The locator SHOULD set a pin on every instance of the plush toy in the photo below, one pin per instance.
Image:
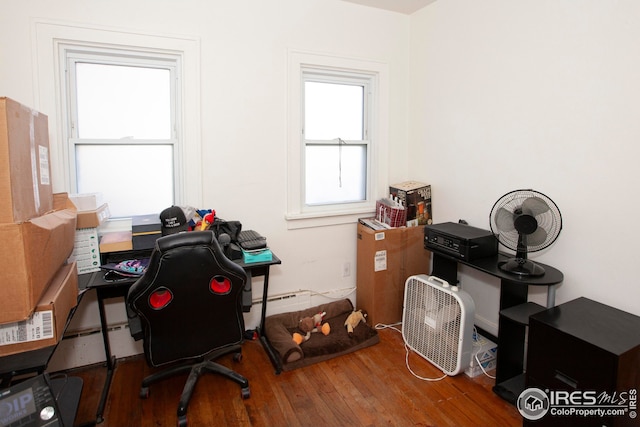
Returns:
(309, 325)
(354, 320)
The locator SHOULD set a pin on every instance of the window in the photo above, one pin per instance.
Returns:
(336, 165)
(124, 114)
(334, 137)
(122, 128)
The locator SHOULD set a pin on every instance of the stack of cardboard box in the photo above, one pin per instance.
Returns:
(38, 288)
(388, 256)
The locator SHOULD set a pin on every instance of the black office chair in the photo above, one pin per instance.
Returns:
(189, 307)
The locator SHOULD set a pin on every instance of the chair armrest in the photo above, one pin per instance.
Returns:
(135, 325)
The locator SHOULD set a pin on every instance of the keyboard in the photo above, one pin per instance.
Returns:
(251, 240)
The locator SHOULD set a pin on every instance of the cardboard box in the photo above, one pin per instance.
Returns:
(116, 241)
(93, 218)
(484, 351)
(46, 325)
(474, 370)
(416, 197)
(116, 235)
(25, 181)
(87, 201)
(386, 258)
(33, 252)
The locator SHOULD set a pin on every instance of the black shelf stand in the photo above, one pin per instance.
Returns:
(514, 312)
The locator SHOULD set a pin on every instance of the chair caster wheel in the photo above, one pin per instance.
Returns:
(245, 393)
(144, 392)
(182, 421)
(237, 357)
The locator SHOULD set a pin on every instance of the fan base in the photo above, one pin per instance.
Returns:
(522, 267)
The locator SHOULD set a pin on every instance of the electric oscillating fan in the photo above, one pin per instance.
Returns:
(525, 221)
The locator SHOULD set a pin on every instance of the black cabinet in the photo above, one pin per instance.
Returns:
(584, 345)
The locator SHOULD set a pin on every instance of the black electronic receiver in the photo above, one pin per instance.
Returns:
(460, 240)
(29, 404)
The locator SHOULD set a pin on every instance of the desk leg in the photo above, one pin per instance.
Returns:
(551, 296)
(265, 293)
(110, 360)
(275, 360)
(512, 294)
(445, 269)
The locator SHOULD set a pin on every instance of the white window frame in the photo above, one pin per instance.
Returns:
(50, 41)
(300, 215)
(72, 55)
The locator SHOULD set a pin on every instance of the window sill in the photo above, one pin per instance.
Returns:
(297, 221)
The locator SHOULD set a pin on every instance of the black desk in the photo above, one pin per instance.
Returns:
(514, 312)
(28, 362)
(114, 289)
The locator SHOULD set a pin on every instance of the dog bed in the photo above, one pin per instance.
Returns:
(279, 329)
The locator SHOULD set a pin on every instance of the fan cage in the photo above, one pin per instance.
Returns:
(438, 323)
(551, 220)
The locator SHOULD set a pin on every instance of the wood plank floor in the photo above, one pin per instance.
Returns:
(371, 387)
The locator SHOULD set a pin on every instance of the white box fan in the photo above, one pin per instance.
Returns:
(437, 322)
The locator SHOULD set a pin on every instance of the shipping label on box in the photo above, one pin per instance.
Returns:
(380, 261)
(38, 327)
(416, 198)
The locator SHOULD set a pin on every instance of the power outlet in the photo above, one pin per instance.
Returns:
(346, 269)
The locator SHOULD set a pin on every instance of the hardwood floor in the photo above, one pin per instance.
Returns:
(371, 387)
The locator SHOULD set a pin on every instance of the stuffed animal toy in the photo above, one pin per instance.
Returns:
(308, 325)
(354, 320)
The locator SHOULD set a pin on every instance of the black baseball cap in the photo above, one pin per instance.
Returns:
(173, 220)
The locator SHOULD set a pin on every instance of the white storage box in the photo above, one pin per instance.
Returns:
(484, 353)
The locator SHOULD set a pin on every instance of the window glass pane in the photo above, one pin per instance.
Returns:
(333, 111)
(335, 173)
(134, 179)
(117, 102)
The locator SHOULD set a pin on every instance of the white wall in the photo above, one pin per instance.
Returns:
(244, 46)
(541, 95)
